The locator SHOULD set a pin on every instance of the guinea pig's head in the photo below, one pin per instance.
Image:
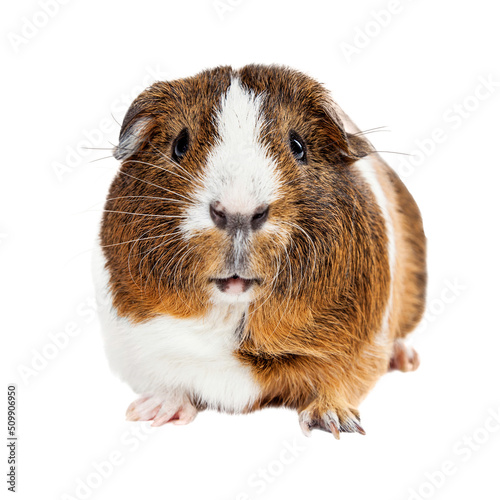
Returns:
(234, 187)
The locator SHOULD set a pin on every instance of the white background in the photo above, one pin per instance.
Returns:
(66, 74)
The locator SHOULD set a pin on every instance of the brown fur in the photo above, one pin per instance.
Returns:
(311, 337)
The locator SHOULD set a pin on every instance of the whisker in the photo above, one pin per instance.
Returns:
(382, 128)
(99, 159)
(311, 243)
(392, 152)
(152, 184)
(176, 164)
(147, 215)
(158, 167)
(138, 239)
(117, 122)
(97, 149)
(163, 243)
(175, 270)
(273, 286)
(289, 288)
(192, 282)
(146, 197)
(132, 249)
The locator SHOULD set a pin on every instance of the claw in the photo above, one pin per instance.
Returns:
(334, 420)
(359, 428)
(356, 424)
(304, 418)
(305, 429)
(334, 430)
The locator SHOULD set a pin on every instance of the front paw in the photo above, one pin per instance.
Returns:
(162, 410)
(329, 418)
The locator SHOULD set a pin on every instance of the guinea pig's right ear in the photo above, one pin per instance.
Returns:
(137, 128)
(358, 147)
(352, 147)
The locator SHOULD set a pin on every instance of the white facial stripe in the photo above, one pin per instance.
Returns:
(238, 173)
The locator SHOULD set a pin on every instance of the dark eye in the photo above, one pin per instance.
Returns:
(181, 145)
(297, 147)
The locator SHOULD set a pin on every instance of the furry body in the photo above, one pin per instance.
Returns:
(272, 259)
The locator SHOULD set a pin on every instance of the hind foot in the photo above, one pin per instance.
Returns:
(404, 358)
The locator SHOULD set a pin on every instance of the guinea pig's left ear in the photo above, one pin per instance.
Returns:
(137, 129)
(351, 146)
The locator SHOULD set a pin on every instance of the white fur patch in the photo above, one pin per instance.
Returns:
(166, 354)
(239, 174)
(367, 170)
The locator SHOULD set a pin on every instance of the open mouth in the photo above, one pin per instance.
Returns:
(235, 284)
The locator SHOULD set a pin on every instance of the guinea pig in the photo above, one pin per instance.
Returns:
(255, 251)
